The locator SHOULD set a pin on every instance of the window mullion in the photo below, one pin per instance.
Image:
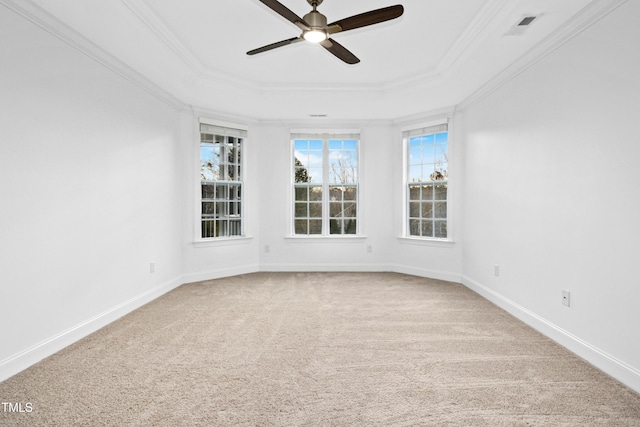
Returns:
(325, 187)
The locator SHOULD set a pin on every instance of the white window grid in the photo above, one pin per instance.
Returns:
(325, 189)
(427, 183)
(221, 184)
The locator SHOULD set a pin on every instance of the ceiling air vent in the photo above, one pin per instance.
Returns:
(527, 20)
(522, 25)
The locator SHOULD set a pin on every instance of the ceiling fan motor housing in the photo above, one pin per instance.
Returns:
(315, 19)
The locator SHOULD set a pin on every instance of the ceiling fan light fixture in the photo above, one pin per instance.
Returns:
(315, 36)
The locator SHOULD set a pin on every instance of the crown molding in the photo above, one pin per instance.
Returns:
(158, 27)
(488, 12)
(49, 23)
(582, 20)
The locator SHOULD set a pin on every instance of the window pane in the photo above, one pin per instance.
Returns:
(235, 228)
(440, 210)
(208, 228)
(442, 137)
(208, 209)
(427, 139)
(427, 192)
(335, 209)
(351, 144)
(427, 228)
(301, 226)
(415, 173)
(415, 155)
(315, 158)
(350, 193)
(315, 210)
(440, 192)
(301, 193)
(350, 226)
(222, 191)
(302, 175)
(221, 209)
(335, 144)
(301, 144)
(415, 141)
(208, 191)
(302, 210)
(335, 226)
(315, 226)
(315, 144)
(315, 175)
(414, 192)
(350, 210)
(442, 153)
(335, 194)
(315, 193)
(440, 229)
(414, 209)
(234, 208)
(427, 210)
(414, 227)
(428, 154)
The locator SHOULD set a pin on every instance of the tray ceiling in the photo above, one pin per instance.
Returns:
(439, 53)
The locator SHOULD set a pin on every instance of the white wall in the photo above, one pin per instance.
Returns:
(89, 194)
(550, 194)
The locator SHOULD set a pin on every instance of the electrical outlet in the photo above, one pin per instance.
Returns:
(566, 298)
(152, 267)
(369, 248)
(496, 270)
(267, 249)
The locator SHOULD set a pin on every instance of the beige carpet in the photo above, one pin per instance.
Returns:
(327, 349)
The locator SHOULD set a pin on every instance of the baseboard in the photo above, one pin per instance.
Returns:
(308, 267)
(617, 369)
(220, 273)
(28, 357)
(424, 272)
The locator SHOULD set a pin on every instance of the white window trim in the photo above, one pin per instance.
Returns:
(198, 240)
(405, 237)
(320, 134)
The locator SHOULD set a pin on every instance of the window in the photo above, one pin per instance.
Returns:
(221, 181)
(325, 184)
(427, 181)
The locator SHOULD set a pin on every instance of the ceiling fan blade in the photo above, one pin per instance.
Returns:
(339, 51)
(274, 45)
(365, 19)
(287, 14)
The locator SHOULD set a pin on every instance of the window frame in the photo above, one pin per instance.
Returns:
(325, 137)
(234, 130)
(406, 134)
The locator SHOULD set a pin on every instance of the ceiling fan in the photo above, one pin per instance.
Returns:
(316, 30)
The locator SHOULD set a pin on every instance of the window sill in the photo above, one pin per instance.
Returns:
(222, 241)
(442, 243)
(326, 239)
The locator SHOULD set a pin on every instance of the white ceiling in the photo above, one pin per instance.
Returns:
(439, 53)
